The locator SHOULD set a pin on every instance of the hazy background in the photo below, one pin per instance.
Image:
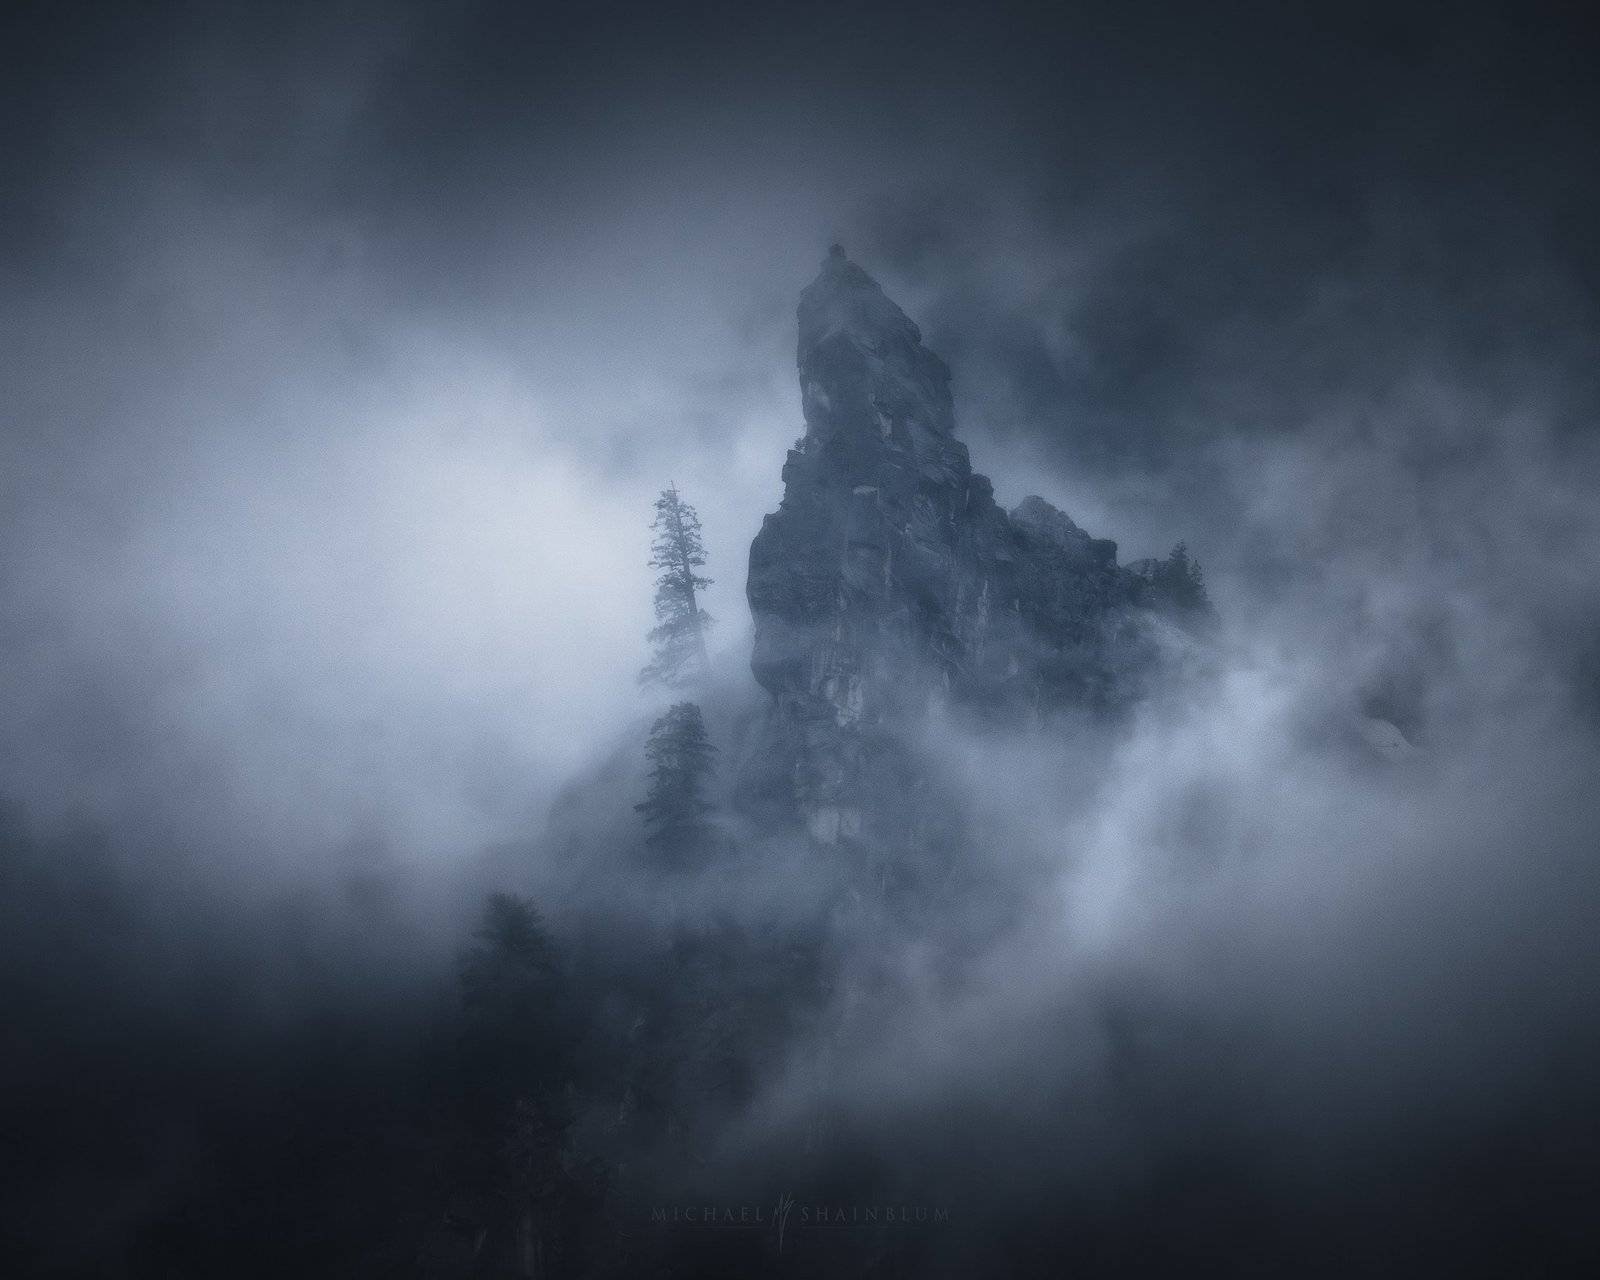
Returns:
(345, 347)
(346, 344)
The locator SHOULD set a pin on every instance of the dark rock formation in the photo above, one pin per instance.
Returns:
(889, 582)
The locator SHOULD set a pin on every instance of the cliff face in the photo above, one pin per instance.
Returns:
(889, 581)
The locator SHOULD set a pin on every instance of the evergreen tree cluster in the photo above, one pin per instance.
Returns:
(659, 1043)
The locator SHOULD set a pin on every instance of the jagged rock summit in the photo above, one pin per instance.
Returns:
(889, 581)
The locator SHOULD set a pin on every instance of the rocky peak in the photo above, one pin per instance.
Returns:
(864, 373)
(889, 581)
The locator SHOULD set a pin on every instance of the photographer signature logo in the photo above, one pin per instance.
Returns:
(781, 1214)
(787, 1216)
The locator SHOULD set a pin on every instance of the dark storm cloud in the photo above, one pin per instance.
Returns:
(1312, 210)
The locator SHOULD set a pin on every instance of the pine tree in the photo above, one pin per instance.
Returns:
(679, 634)
(514, 1030)
(680, 754)
(519, 1053)
(1182, 581)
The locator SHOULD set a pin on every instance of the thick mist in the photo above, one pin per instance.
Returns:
(346, 349)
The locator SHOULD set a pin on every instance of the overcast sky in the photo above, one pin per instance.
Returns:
(346, 345)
